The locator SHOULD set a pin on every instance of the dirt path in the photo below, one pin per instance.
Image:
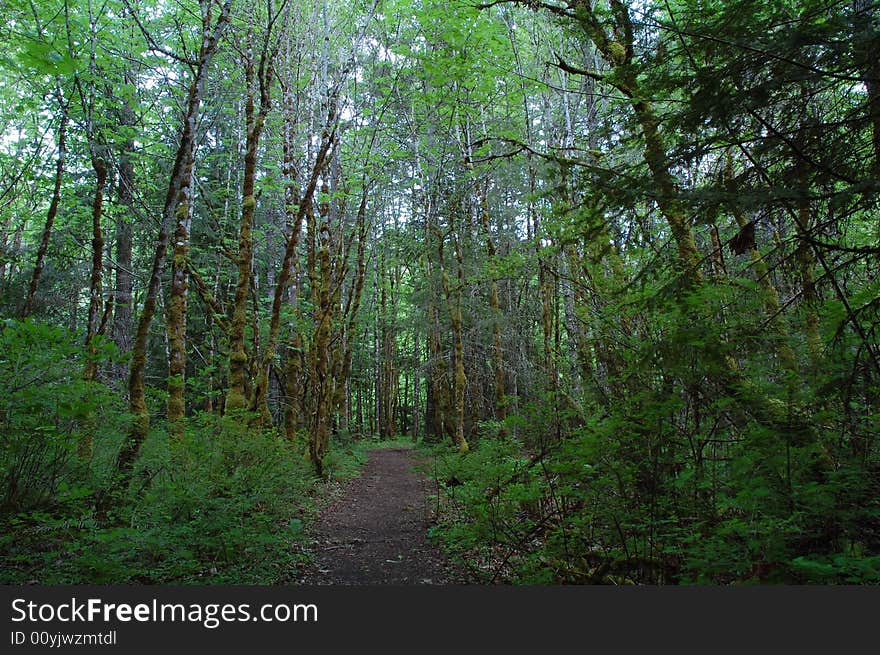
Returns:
(376, 533)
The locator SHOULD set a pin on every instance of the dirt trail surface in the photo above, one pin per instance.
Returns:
(376, 533)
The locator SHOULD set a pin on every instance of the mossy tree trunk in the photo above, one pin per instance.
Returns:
(319, 435)
(95, 325)
(295, 208)
(258, 76)
(96, 281)
(806, 261)
(353, 303)
(436, 396)
(177, 309)
(769, 293)
(494, 304)
(181, 173)
(453, 303)
(98, 156)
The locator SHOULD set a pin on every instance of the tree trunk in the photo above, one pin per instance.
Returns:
(417, 387)
(293, 386)
(122, 293)
(354, 299)
(494, 307)
(453, 302)
(96, 286)
(53, 209)
(238, 359)
(769, 294)
(807, 264)
(296, 209)
(180, 175)
(323, 315)
(177, 309)
(96, 297)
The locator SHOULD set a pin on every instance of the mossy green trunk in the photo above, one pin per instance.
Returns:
(319, 436)
(295, 209)
(96, 282)
(453, 303)
(180, 174)
(258, 77)
(766, 411)
(177, 308)
(293, 375)
(494, 307)
(353, 306)
(96, 298)
(769, 294)
(807, 265)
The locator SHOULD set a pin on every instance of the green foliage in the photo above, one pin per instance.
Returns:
(672, 480)
(227, 504)
(716, 425)
(46, 409)
(219, 508)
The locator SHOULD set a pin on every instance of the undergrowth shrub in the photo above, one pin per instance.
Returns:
(229, 503)
(597, 510)
(46, 411)
(225, 504)
(680, 475)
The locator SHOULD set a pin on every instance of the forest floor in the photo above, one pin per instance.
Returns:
(376, 533)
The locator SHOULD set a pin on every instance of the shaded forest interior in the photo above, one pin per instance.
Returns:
(613, 265)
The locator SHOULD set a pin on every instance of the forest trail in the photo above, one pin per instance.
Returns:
(376, 533)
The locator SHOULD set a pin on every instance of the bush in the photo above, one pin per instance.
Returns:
(46, 411)
(676, 474)
(227, 504)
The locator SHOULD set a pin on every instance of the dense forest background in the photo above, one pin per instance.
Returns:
(615, 263)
